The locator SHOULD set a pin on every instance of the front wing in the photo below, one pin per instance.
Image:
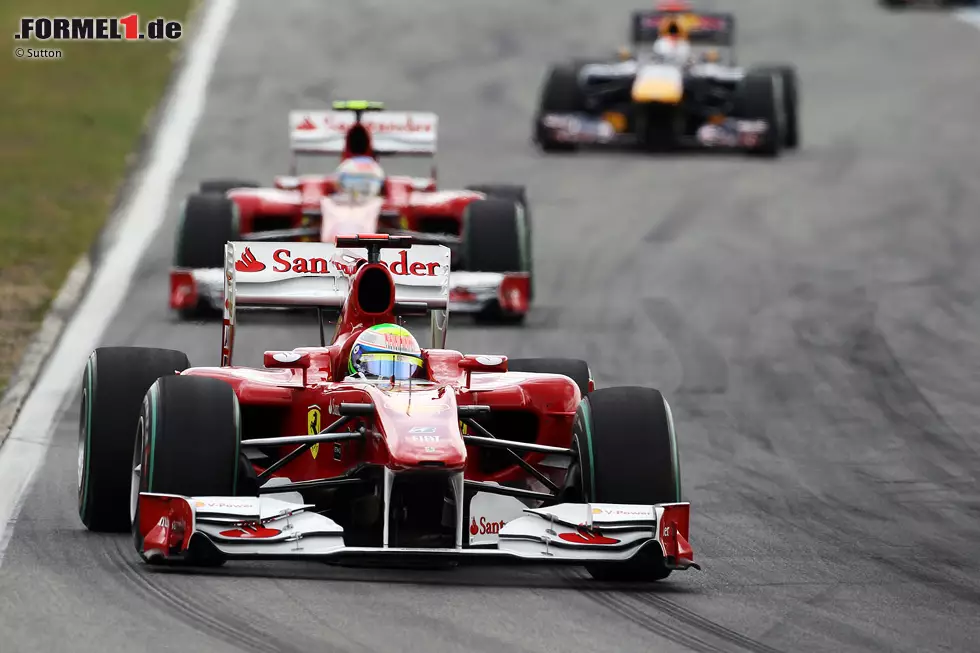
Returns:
(585, 129)
(469, 292)
(269, 528)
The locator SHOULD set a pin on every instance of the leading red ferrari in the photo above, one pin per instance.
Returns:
(371, 445)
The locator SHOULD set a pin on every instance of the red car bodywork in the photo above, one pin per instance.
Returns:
(537, 408)
(295, 203)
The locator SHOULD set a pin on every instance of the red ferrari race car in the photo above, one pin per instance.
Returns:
(371, 446)
(487, 227)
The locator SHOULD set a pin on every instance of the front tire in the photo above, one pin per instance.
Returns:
(761, 98)
(560, 93)
(187, 442)
(791, 103)
(627, 453)
(494, 241)
(113, 386)
(207, 222)
(517, 194)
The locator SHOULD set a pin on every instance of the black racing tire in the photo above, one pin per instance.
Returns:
(187, 441)
(493, 236)
(518, 194)
(791, 102)
(560, 93)
(575, 369)
(222, 186)
(494, 240)
(207, 222)
(113, 386)
(758, 98)
(627, 453)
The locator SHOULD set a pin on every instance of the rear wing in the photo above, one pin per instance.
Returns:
(392, 132)
(301, 274)
(702, 28)
(319, 274)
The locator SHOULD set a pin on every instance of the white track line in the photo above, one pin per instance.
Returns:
(139, 219)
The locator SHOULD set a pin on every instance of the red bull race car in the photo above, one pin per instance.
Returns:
(371, 446)
(487, 227)
(678, 86)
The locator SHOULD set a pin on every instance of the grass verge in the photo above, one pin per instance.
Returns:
(68, 127)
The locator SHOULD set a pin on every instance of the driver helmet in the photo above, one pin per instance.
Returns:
(360, 177)
(385, 351)
(673, 28)
(672, 44)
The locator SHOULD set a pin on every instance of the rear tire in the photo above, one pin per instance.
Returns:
(628, 454)
(560, 93)
(113, 386)
(494, 241)
(222, 186)
(575, 369)
(187, 442)
(760, 98)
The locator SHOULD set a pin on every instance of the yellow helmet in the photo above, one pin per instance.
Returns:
(673, 28)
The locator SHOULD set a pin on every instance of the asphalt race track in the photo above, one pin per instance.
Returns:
(813, 322)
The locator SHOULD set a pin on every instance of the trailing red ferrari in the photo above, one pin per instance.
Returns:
(487, 227)
(372, 445)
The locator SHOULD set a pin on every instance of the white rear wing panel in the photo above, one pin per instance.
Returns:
(319, 274)
(392, 132)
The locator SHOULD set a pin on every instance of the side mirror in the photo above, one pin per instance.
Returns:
(287, 360)
(470, 364)
(285, 182)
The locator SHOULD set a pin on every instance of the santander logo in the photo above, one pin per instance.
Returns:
(486, 527)
(283, 261)
(248, 262)
(384, 124)
(306, 125)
